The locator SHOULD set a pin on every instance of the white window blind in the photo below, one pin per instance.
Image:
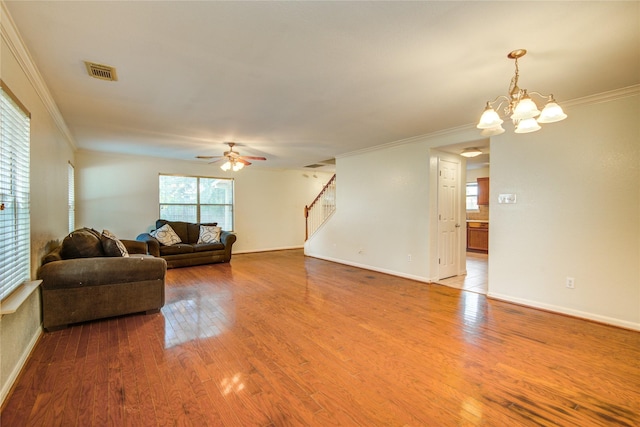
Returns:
(15, 252)
(197, 199)
(72, 197)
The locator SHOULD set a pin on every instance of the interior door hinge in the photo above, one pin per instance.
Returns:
(438, 260)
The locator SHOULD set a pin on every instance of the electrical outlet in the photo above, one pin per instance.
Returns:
(409, 257)
(571, 283)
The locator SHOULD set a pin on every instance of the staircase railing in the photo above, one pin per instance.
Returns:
(320, 209)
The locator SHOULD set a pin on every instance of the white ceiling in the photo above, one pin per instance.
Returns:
(301, 82)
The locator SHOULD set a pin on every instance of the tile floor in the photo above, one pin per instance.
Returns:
(476, 278)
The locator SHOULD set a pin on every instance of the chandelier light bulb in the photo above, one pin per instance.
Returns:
(489, 119)
(527, 126)
(226, 166)
(237, 166)
(525, 109)
(551, 113)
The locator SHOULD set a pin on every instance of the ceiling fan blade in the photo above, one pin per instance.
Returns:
(243, 161)
(253, 158)
(208, 157)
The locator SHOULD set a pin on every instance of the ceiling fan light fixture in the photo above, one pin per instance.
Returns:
(471, 152)
(232, 159)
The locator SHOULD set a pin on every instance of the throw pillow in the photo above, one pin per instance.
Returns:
(166, 235)
(209, 234)
(82, 243)
(112, 246)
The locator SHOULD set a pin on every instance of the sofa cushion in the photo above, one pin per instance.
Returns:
(180, 248)
(166, 235)
(111, 245)
(203, 247)
(82, 243)
(209, 234)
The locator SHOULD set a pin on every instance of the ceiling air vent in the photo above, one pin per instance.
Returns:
(102, 72)
(327, 162)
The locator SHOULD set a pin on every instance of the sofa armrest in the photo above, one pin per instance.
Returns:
(82, 272)
(153, 246)
(135, 246)
(227, 239)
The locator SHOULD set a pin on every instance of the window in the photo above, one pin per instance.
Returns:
(72, 197)
(197, 199)
(15, 239)
(472, 196)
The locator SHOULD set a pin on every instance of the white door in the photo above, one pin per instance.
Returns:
(448, 218)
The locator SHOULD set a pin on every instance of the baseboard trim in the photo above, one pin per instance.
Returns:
(255, 251)
(6, 387)
(566, 311)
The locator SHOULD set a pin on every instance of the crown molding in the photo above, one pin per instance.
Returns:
(608, 96)
(11, 36)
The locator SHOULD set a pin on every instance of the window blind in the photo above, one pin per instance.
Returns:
(15, 241)
(72, 197)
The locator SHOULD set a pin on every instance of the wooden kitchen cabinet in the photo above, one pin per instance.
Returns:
(483, 191)
(478, 236)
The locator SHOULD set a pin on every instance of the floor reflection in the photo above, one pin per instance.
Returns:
(197, 315)
(473, 308)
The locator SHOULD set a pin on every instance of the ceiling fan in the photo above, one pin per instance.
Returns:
(233, 159)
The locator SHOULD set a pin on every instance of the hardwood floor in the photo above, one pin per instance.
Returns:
(277, 339)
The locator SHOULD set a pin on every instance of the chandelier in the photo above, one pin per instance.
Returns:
(521, 108)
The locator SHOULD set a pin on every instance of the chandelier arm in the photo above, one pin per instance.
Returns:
(502, 99)
(542, 95)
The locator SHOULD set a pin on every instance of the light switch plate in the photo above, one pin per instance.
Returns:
(507, 198)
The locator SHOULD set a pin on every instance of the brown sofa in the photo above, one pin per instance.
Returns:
(189, 252)
(87, 278)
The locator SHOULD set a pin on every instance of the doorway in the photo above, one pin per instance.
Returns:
(473, 271)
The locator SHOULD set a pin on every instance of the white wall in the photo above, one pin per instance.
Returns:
(474, 174)
(578, 210)
(50, 153)
(577, 214)
(386, 209)
(120, 193)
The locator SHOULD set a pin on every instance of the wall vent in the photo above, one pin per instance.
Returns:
(102, 72)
